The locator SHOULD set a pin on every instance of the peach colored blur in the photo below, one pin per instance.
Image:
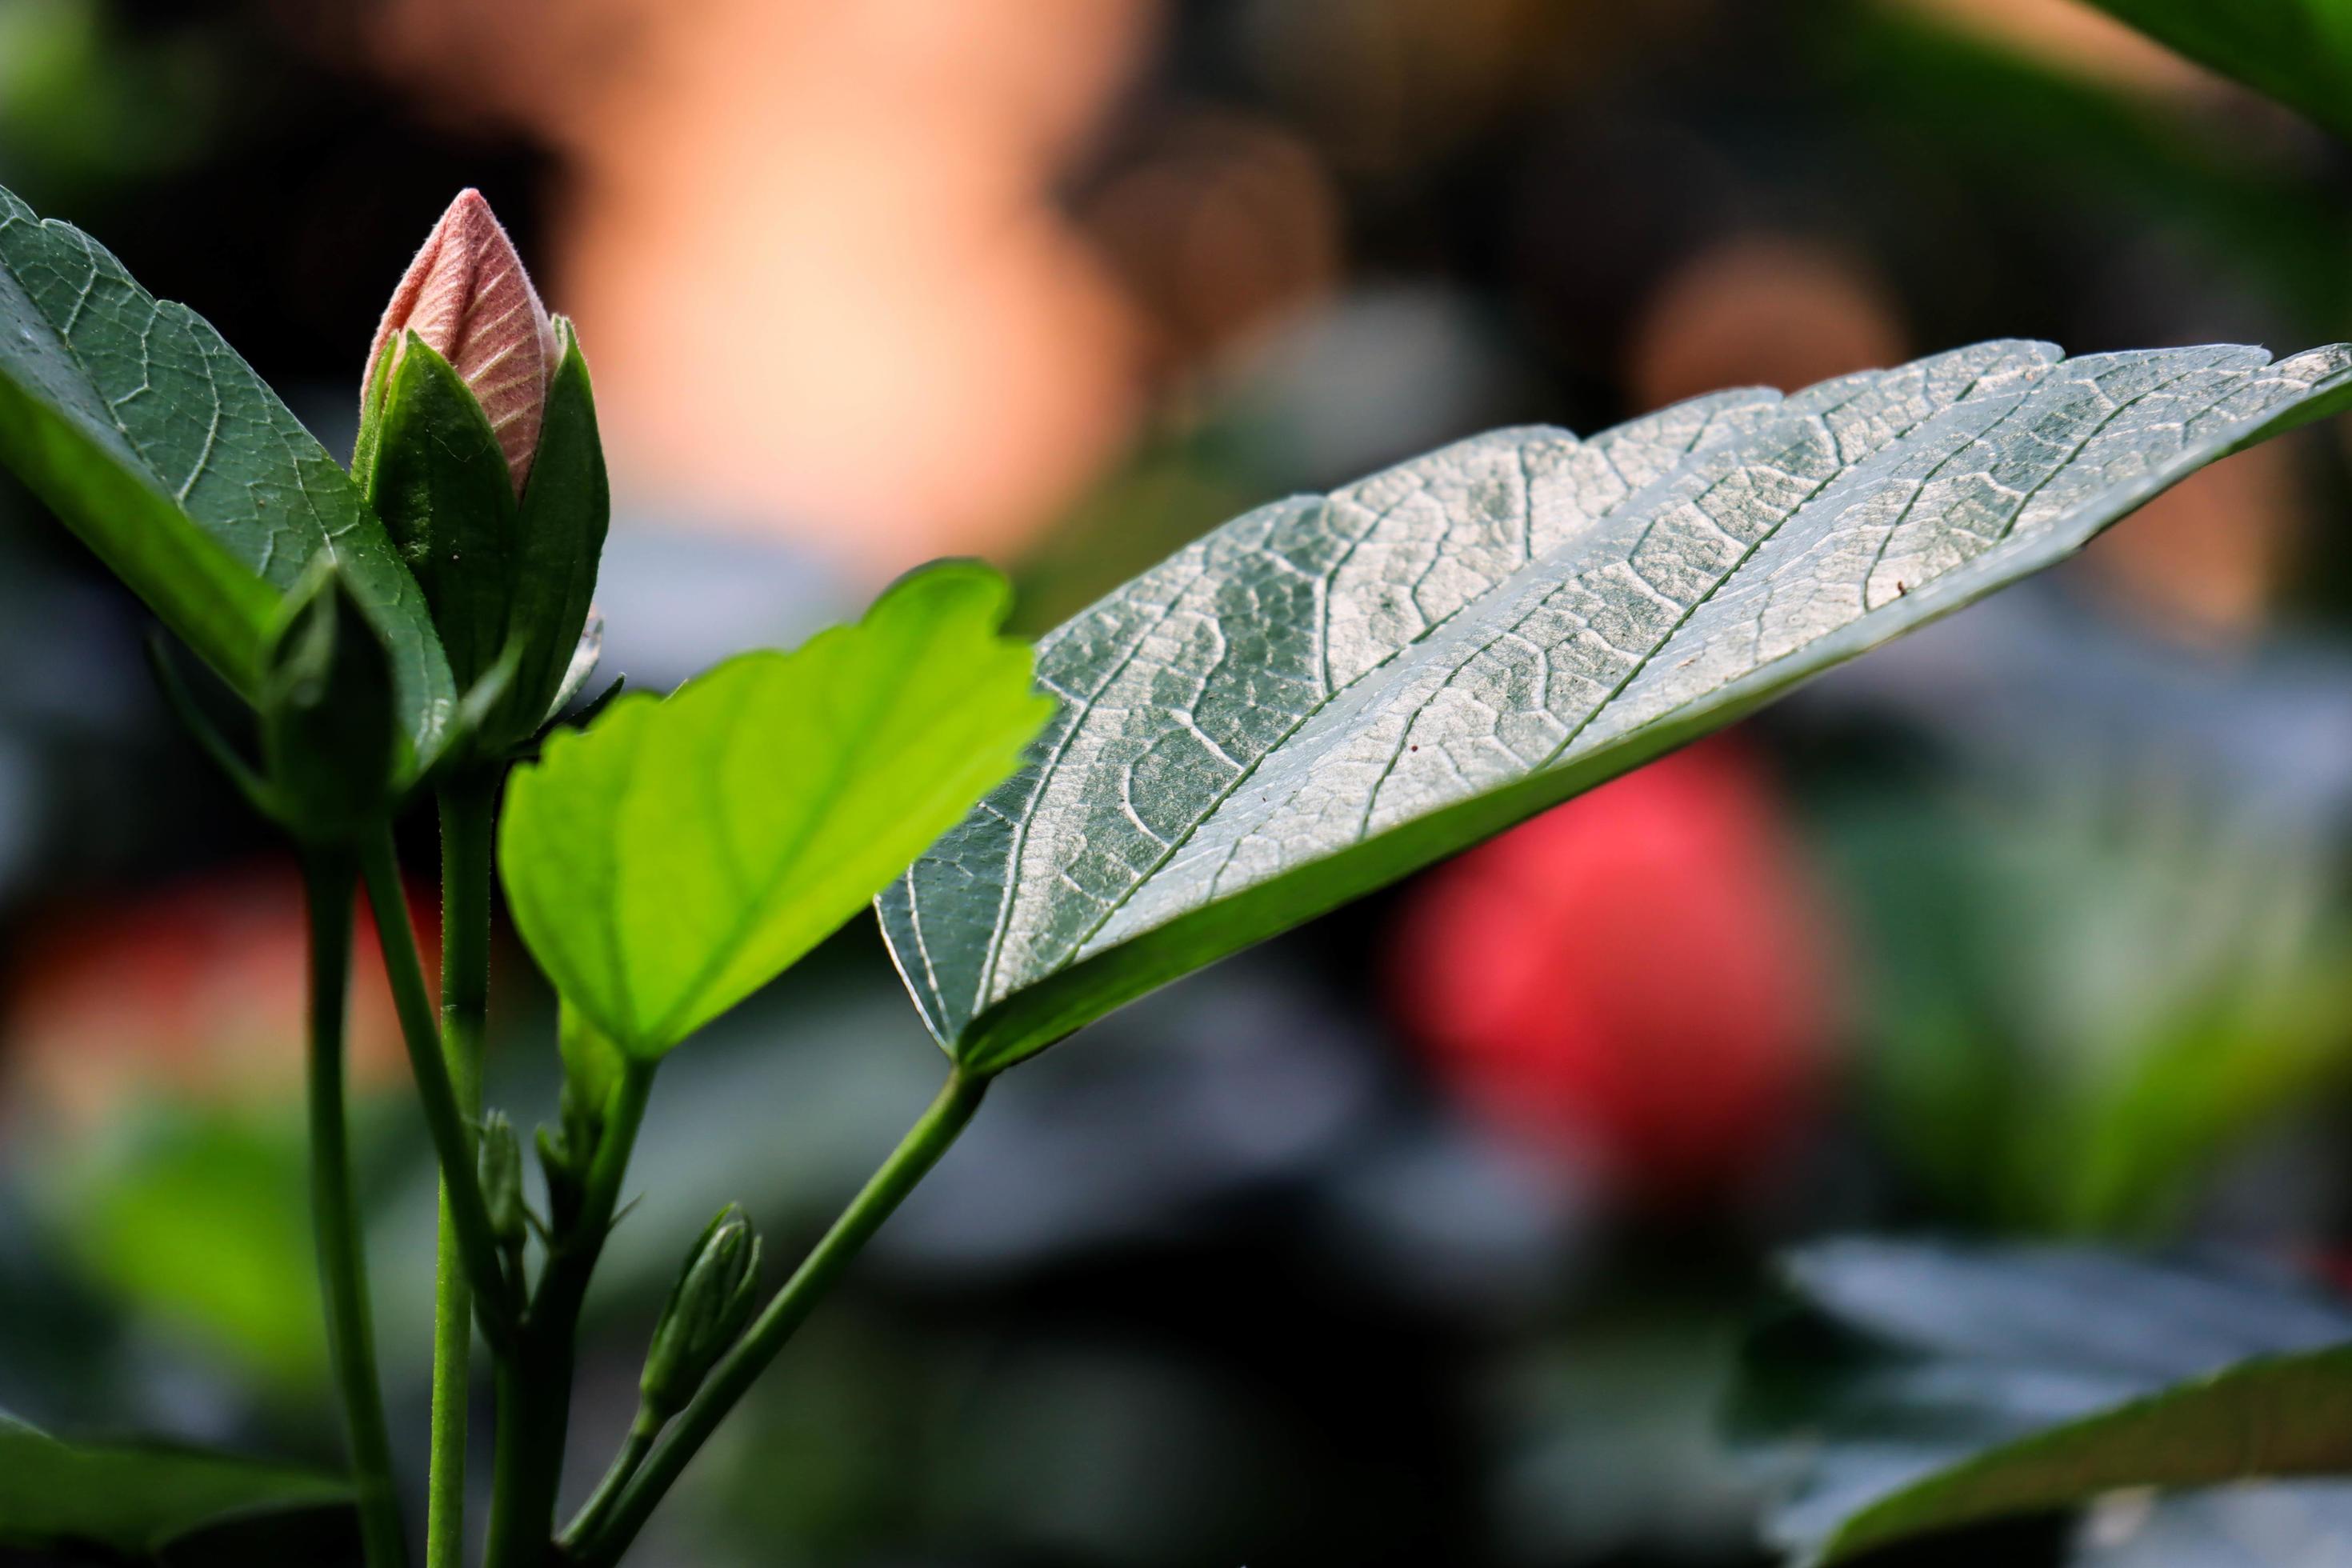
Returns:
(1761, 310)
(2078, 40)
(467, 296)
(814, 252)
(197, 991)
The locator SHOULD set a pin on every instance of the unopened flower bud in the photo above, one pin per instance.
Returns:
(468, 297)
(716, 1290)
(329, 737)
(478, 450)
(500, 1166)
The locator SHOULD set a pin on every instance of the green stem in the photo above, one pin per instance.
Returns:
(907, 1164)
(342, 1254)
(535, 1384)
(452, 1134)
(468, 813)
(598, 1509)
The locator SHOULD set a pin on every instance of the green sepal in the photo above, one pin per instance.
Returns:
(718, 1287)
(560, 539)
(433, 470)
(333, 753)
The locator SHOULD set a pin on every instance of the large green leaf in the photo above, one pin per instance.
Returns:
(680, 853)
(1330, 692)
(175, 463)
(2297, 51)
(1918, 1387)
(137, 1500)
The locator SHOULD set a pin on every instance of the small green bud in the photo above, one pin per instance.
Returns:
(565, 1153)
(330, 729)
(717, 1288)
(501, 1175)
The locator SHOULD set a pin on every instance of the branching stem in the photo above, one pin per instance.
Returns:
(593, 1545)
(535, 1382)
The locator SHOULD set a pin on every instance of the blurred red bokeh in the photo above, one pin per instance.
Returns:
(1638, 983)
(199, 990)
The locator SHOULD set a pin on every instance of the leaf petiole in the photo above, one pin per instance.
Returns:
(593, 1543)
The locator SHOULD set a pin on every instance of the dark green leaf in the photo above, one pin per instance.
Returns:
(1333, 691)
(2297, 51)
(566, 510)
(678, 854)
(136, 1499)
(157, 445)
(1922, 1387)
(435, 476)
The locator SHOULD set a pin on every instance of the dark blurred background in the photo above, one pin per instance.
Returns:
(1423, 1236)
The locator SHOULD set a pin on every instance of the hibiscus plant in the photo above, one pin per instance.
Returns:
(1316, 699)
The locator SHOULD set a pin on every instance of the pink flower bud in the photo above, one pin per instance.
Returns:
(466, 295)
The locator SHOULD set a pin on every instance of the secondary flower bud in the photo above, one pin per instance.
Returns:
(501, 1178)
(712, 1300)
(467, 296)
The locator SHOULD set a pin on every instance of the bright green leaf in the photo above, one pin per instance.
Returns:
(137, 1500)
(173, 461)
(1922, 1387)
(1331, 691)
(2297, 51)
(680, 853)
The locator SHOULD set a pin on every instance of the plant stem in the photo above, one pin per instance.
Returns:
(907, 1164)
(468, 811)
(535, 1383)
(343, 1253)
(625, 1464)
(453, 1135)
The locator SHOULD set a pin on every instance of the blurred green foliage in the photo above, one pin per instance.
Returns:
(198, 1219)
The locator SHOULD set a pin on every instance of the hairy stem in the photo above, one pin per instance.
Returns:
(907, 1164)
(535, 1384)
(342, 1254)
(468, 811)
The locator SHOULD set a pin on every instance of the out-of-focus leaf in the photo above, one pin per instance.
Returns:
(2297, 51)
(2081, 149)
(1923, 1386)
(138, 1500)
(2073, 1022)
(1330, 692)
(174, 462)
(680, 853)
(199, 1220)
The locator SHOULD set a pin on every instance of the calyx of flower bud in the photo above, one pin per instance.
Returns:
(500, 1161)
(468, 297)
(716, 1290)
